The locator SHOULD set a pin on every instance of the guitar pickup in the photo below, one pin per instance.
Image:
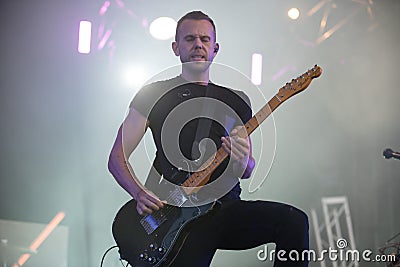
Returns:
(152, 221)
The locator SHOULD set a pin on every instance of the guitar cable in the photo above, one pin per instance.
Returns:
(106, 252)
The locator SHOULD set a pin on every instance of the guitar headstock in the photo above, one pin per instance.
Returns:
(299, 84)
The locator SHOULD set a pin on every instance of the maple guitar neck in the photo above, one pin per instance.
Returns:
(200, 178)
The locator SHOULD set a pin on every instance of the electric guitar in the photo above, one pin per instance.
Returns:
(155, 239)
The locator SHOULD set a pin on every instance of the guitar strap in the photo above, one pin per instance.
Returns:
(203, 128)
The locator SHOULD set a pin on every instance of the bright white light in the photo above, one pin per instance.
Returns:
(85, 35)
(134, 76)
(293, 13)
(163, 28)
(256, 69)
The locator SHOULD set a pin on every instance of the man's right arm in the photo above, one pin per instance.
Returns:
(128, 137)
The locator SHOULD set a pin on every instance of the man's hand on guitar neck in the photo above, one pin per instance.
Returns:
(238, 147)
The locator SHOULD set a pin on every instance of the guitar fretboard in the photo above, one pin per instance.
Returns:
(200, 178)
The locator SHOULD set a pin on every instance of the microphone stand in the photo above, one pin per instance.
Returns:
(389, 153)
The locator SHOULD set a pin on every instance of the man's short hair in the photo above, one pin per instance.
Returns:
(195, 15)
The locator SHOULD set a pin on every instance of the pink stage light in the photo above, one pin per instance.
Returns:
(280, 73)
(104, 8)
(41, 237)
(85, 35)
(104, 40)
(120, 3)
(283, 71)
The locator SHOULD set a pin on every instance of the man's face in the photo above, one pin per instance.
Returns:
(196, 42)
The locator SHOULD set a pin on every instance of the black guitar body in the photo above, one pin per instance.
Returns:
(154, 240)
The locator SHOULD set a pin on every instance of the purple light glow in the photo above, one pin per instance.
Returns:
(282, 71)
(104, 40)
(120, 3)
(104, 8)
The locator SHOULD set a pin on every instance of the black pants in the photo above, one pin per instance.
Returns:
(241, 224)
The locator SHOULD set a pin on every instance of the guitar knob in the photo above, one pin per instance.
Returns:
(151, 260)
(143, 256)
(153, 247)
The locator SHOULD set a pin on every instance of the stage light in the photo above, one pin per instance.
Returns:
(294, 13)
(104, 8)
(85, 32)
(134, 76)
(163, 28)
(104, 39)
(41, 237)
(256, 69)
